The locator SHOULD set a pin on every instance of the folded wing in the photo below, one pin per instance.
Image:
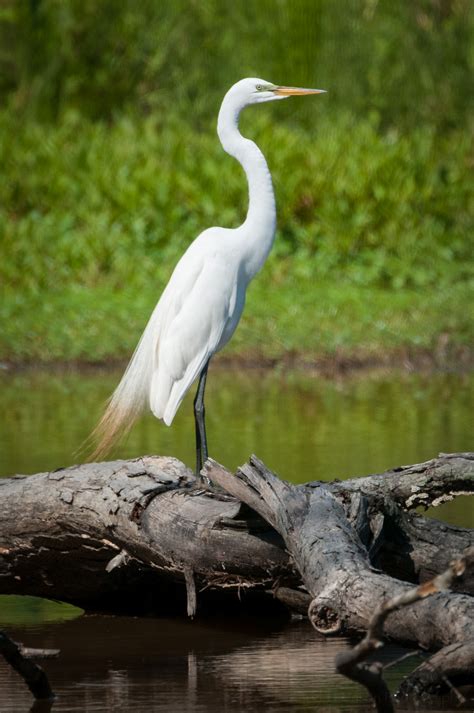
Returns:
(195, 316)
(192, 334)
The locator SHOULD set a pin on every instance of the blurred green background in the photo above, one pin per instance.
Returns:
(111, 166)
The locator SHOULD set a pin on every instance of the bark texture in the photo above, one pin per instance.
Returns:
(139, 536)
(333, 537)
(335, 563)
(353, 663)
(120, 536)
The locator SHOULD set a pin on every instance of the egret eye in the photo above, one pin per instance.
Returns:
(260, 87)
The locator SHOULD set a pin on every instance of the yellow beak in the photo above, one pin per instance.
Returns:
(296, 91)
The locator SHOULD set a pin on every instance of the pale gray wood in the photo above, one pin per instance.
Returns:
(105, 536)
(424, 484)
(333, 534)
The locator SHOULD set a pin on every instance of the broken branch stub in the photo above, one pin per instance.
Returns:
(335, 565)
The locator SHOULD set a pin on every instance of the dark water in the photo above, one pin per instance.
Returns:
(122, 664)
(304, 428)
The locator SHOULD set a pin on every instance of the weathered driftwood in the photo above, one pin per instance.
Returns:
(124, 536)
(331, 534)
(137, 535)
(353, 664)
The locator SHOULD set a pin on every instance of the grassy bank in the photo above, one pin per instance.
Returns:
(291, 316)
(373, 251)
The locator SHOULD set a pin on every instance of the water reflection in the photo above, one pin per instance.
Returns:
(302, 426)
(111, 664)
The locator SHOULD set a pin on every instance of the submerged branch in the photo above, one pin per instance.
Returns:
(32, 674)
(349, 663)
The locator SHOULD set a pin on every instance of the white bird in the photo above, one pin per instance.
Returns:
(203, 301)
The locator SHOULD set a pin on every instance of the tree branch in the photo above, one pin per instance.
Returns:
(427, 484)
(32, 674)
(349, 663)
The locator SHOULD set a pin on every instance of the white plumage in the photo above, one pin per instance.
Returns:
(205, 296)
(199, 311)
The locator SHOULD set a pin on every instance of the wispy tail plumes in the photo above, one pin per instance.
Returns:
(130, 397)
(115, 423)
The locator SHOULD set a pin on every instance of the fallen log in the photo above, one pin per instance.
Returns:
(139, 537)
(124, 536)
(335, 564)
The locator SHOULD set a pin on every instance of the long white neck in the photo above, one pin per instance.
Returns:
(260, 223)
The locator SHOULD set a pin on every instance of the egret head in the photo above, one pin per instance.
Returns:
(255, 91)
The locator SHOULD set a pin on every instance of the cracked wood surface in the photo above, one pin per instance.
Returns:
(135, 535)
(125, 535)
(98, 534)
(333, 539)
(334, 562)
(426, 484)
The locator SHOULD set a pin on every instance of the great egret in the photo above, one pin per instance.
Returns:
(204, 298)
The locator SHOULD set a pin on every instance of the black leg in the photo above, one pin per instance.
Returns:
(200, 422)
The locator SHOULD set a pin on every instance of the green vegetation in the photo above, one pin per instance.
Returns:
(111, 167)
(288, 316)
(29, 611)
(407, 62)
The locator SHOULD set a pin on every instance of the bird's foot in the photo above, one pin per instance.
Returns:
(202, 481)
(203, 486)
